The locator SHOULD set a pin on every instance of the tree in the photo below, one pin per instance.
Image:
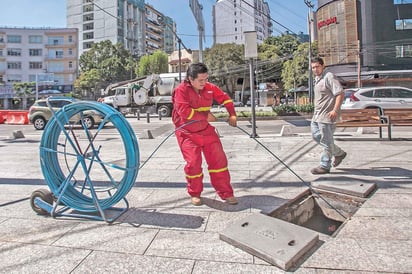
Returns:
(285, 43)
(226, 63)
(153, 64)
(112, 63)
(23, 90)
(88, 80)
(295, 71)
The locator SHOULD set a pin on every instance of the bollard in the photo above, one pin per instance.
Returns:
(148, 117)
(160, 114)
(138, 115)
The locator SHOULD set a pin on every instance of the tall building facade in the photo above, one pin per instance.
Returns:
(231, 18)
(357, 36)
(34, 54)
(159, 31)
(120, 21)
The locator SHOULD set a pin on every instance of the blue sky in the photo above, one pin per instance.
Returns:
(291, 14)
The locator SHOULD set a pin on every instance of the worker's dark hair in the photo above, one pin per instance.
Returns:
(194, 69)
(317, 60)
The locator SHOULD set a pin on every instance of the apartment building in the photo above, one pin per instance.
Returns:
(43, 55)
(120, 21)
(138, 26)
(231, 18)
(159, 31)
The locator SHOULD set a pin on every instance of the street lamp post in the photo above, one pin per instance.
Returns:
(310, 80)
(180, 45)
(251, 52)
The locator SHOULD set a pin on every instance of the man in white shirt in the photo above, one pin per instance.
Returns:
(329, 95)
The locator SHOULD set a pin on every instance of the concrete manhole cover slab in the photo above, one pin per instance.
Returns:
(345, 185)
(273, 240)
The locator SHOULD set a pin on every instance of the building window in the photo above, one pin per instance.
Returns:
(88, 17)
(403, 24)
(88, 26)
(88, 35)
(59, 53)
(14, 65)
(70, 64)
(87, 45)
(14, 39)
(404, 51)
(14, 52)
(70, 39)
(56, 40)
(1, 52)
(35, 52)
(70, 52)
(35, 39)
(35, 65)
(12, 78)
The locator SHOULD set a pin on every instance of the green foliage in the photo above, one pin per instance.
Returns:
(112, 63)
(87, 80)
(285, 43)
(295, 71)
(155, 63)
(23, 88)
(292, 109)
(222, 60)
(246, 114)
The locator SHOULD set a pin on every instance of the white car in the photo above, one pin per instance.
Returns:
(378, 97)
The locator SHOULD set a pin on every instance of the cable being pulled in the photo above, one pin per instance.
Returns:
(164, 140)
(294, 173)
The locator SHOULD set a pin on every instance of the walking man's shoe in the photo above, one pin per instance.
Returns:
(196, 201)
(319, 170)
(338, 159)
(231, 200)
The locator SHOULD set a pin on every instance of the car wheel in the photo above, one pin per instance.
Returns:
(164, 110)
(39, 123)
(89, 122)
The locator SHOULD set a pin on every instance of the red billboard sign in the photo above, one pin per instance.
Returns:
(327, 22)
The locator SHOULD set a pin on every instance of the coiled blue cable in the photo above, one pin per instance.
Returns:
(62, 185)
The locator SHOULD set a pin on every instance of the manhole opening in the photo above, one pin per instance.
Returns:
(322, 215)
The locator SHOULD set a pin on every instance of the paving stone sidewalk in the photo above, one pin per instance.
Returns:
(163, 233)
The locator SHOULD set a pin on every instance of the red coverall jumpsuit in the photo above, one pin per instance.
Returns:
(199, 136)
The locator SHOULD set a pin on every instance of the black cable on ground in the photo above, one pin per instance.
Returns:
(294, 173)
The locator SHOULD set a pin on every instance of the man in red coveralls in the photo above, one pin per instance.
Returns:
(192, 101)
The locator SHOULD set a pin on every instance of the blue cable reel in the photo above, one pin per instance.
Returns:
(87, 170)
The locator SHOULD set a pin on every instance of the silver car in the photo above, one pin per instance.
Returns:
(40, 113)
(378, 97)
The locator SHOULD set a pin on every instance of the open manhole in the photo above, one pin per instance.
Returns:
(286, 234)
(322, 211)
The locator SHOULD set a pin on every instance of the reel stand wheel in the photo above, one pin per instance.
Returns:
(43, 194)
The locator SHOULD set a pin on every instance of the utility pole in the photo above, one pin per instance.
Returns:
(310, 80)
(197, 13)
(251, 52)
(180, 45)
(359, 65)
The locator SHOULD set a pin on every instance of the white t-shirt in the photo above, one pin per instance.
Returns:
(326, 88)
